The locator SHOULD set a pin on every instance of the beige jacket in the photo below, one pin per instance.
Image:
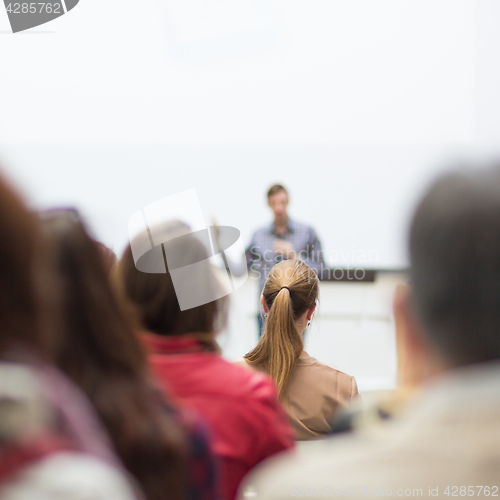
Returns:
(314, 394)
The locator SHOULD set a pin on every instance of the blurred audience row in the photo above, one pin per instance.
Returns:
(109, 390)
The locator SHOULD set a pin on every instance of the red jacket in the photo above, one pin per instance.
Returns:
(241, 407)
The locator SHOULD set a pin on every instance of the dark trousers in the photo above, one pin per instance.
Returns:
(260, 324)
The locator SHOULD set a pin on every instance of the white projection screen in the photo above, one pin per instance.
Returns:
(354, 106)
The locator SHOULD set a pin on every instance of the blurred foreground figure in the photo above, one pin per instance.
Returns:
(100, 352)
(311, 393)
(241, 406)
(51, 444)
(447, 443)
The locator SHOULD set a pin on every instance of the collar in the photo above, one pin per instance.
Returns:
(305, 359)
(291, 227)
(175, 344)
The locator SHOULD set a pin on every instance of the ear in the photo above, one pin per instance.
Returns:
(412, 349)
(404, 316)
(264, 305)
(310, 312)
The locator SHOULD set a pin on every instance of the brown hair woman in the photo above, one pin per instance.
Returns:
(49, 432)
(240, 406)
(99, 352)
(310, 391)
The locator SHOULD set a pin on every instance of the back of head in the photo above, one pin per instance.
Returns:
(108, 256)
(99, 351)
(96, 337)
(291, 288)
(20, 241)
(455, 266)
(149, 285)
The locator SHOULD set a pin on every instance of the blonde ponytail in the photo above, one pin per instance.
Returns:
(291, 288)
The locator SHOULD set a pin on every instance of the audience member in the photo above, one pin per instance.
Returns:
(311, 392)
(51, 443)
(247, 422)
(283, 239)
(108, 256)
(448, 440)
(100, 352)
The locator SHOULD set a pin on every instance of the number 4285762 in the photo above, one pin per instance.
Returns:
(34, 8)
(470, 491)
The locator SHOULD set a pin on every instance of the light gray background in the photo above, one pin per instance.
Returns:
(353, 105)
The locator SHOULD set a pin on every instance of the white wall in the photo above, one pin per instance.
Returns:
(358, 198)
(244, 71)
(353, 105)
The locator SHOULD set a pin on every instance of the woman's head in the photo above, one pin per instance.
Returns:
(20, 242)
(294, 280)
(150, 284)
(91, 318)
(108, 257)
(99, 350)
(290, 295)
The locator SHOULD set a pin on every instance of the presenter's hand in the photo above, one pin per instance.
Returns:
(284, 248)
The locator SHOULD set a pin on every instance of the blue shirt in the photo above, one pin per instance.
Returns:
(261, 256)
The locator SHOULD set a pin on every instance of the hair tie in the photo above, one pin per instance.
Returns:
(284, 287)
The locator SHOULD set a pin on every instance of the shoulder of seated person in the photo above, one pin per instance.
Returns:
(252, 368)
(307, 360)
(243, 362)
(257, 382)
(72, 476)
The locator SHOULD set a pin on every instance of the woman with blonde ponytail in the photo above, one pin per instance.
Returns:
(310, 391)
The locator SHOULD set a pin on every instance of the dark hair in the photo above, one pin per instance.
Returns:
(20, 242)
(275, 189)
(108, 256)
(291, 288)
(100, 352)
(153, 294)
(454, 248)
